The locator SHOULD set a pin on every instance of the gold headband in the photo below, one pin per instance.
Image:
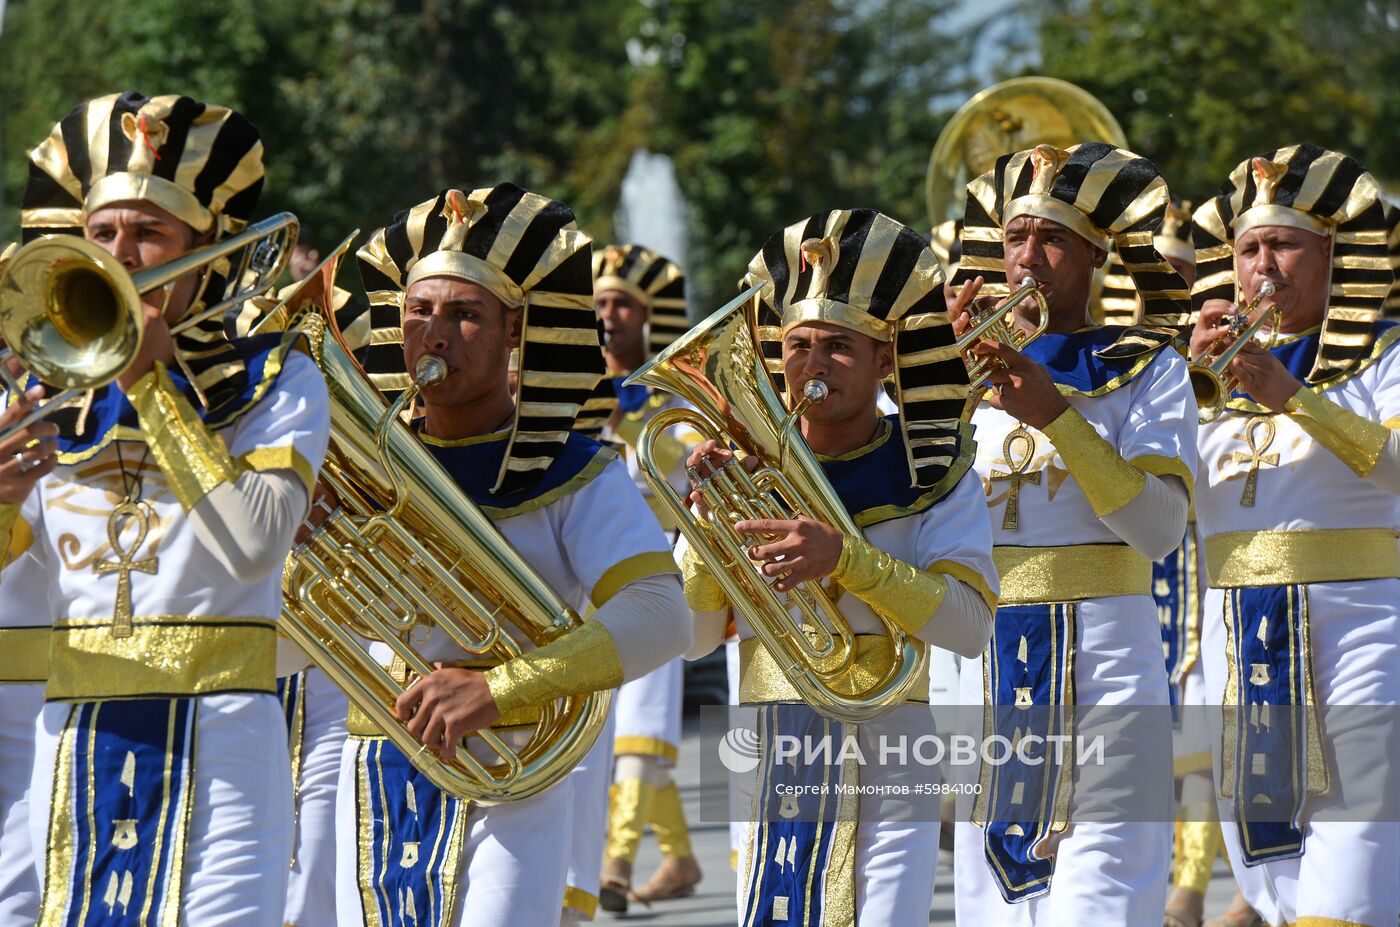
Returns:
(126, 187)
(1271, 214)
(622, 284)
(466, 267)
(834, 313)
(1043, 206)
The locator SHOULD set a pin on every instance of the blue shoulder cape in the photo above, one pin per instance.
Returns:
(873, 481)
(1095, 361)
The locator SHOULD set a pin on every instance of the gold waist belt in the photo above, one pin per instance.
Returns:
(163, 656)
(1032, 575)
(1285, 558)
(24, 654)
(359, 724)
(760, 679)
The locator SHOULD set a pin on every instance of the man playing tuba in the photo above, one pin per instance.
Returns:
(161, 536)
(1086, 447)
(466, 276)
(848, 297)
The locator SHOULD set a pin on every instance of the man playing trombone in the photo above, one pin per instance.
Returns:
(1087, 451)
(845, 299)
(1298, 507)
(464, 277)
(161, 534)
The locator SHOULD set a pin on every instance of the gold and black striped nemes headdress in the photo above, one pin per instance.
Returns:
(654, 281)
(1118, 299)
(1391, 309)
(1109, 196)
(864, 271)
(1321, 191)
(199, 162)
(526, 250)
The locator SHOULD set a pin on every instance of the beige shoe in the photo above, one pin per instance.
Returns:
(674, 878)
(616, 885)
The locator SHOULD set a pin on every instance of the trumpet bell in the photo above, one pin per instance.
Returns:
(71, 311)
(1209, 390)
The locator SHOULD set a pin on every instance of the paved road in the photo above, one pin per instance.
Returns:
(713, 904)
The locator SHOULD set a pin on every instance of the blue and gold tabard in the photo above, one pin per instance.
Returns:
(1176, 585)
(121, 803)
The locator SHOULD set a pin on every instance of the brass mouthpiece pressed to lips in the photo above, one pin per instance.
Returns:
(815, 391)
(430, 371)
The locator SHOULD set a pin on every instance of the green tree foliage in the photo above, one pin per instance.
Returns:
(1200, 85)
(772, 109)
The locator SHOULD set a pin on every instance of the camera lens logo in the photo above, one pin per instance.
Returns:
(738, 750)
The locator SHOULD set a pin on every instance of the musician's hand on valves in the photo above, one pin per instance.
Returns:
(1263, 377)
(1021, 387)
(964, 303)
(707, 457)
(1211, 326)
(28, 454)
(809, 550)
(445, 706)
(157, 344)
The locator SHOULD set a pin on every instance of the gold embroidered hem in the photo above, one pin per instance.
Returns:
(639, 566)
(576, 899)
(968, 575)
(582, 661)
(645, 746)
(193, 458)
(165, 656)
(24, 654)
(1355, 440)
(1034, 575)
(761, 679)
(1109, 482)
(1285, 558)
(896, 590)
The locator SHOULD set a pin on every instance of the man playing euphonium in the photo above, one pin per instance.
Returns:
(1299, 512)
(1086, 448)
(466, 276)
(161, 778)
(641, 300)
(849, 297)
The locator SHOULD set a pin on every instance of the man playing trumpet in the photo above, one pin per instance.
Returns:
(1299, 510)
(847, 298)
(1086, 448)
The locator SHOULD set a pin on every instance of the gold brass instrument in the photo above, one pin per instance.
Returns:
(1006, 117)
(72, 314)
(404, 551)
(999, 324)
(1209, 380)
(717, 368)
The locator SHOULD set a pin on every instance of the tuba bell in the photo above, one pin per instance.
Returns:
(72, 314)
(1010, 116)
(716, 367)
(405, 550)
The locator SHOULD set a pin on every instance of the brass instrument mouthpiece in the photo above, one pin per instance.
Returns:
(430, 371)
(815, 391)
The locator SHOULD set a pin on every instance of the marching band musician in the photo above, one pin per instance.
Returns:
(161, 778)
(24, 655)
(1086, 447)
(849, 297)
(641, 300)
(1298, 507)
(466, 276)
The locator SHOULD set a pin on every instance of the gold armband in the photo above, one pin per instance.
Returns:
(1356, 441)
(584, 660)
(9, 512)
(1109, 482)
(193, 459)
(898, 591)
(703, 593)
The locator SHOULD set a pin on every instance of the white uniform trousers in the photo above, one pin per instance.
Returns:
(1107, 874)
(590, 781)
(20, 704)
(1348, 871)
(515, 858)
(311, 884)
(240, 828)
